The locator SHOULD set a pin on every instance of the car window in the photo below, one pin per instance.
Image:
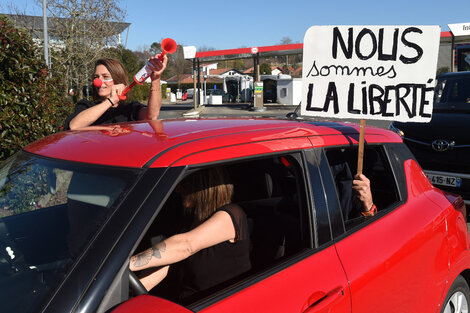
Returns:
(376, 167)
(453, 93)
(271, 193)
(48, 212)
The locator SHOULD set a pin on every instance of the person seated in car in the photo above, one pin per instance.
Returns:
(216, 247)
(106, 107)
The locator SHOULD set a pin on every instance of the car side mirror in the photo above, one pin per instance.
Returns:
(295, 114)
(149, 304)
(291, 115)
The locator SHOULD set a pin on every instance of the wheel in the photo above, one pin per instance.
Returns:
(136, 285)
(457, 298)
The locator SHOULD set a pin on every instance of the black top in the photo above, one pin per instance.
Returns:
(216, 266)
(350, 204)
(125, 112)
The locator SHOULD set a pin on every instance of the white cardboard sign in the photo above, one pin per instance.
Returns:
(370, 72)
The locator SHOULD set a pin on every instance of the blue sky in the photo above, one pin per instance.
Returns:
(226, 24)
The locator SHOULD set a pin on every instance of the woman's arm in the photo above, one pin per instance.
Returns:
(90, 115)
(218, 228)
(153, 278)
(154, 103)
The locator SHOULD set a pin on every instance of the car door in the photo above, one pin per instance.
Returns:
(308, 277)
(310, 281)
(316, 283)
(397, 261)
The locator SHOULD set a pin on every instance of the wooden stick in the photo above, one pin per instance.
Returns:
(360, 152)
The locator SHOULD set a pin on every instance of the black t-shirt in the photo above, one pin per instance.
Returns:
(125, 112)
(350, 203)
(216, 266)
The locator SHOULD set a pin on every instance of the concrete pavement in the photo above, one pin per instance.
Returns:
(186, 109)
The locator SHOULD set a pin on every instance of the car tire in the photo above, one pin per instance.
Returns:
(458, 297)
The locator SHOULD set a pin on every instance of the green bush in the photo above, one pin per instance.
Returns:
(265, 69)
(141, 92)
(32, 103)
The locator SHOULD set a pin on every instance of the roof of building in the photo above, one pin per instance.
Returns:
(37, 23)
(251, 69)
(220, 71)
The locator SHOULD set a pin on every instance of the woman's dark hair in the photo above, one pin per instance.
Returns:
(117, 71)
(205, 191)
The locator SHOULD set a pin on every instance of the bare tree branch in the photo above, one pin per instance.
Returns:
(80, 31)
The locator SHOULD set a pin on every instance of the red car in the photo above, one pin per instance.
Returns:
(75, 206)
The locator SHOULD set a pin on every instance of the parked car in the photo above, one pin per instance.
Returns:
(75, 206)
(442, 147)
(190, 93)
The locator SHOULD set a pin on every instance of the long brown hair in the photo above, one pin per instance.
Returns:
(205, 191)
(117, 71)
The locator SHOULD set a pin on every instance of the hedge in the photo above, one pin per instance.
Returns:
(33, 103)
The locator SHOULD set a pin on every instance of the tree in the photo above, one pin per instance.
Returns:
(130, 61)
(81, 30)
(238, 64)
(177, 65)
(286, 70)
(286, 40)
(155, 48)
(265, 69)
(132, 65)
(32, 102)
(205, 48)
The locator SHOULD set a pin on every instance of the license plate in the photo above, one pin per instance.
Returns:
(444, 180)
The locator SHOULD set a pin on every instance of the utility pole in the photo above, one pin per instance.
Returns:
(46, 40)
(195, 95)
(258, 84)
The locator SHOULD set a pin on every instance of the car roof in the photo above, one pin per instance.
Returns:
(168, 142)
(454, 74)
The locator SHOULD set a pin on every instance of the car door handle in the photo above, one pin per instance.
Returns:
(325, 303)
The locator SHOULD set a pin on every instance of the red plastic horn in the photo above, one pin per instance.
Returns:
(97, 82)
(168, 46)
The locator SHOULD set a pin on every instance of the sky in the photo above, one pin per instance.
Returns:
(226, 24)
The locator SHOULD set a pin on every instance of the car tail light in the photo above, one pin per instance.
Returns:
(457, 203)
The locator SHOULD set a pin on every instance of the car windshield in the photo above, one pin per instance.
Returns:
(49, 211)
(452, 94)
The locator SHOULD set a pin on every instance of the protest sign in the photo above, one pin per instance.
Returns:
(370, 72)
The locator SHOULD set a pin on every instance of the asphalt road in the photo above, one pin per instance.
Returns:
(186, 109)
